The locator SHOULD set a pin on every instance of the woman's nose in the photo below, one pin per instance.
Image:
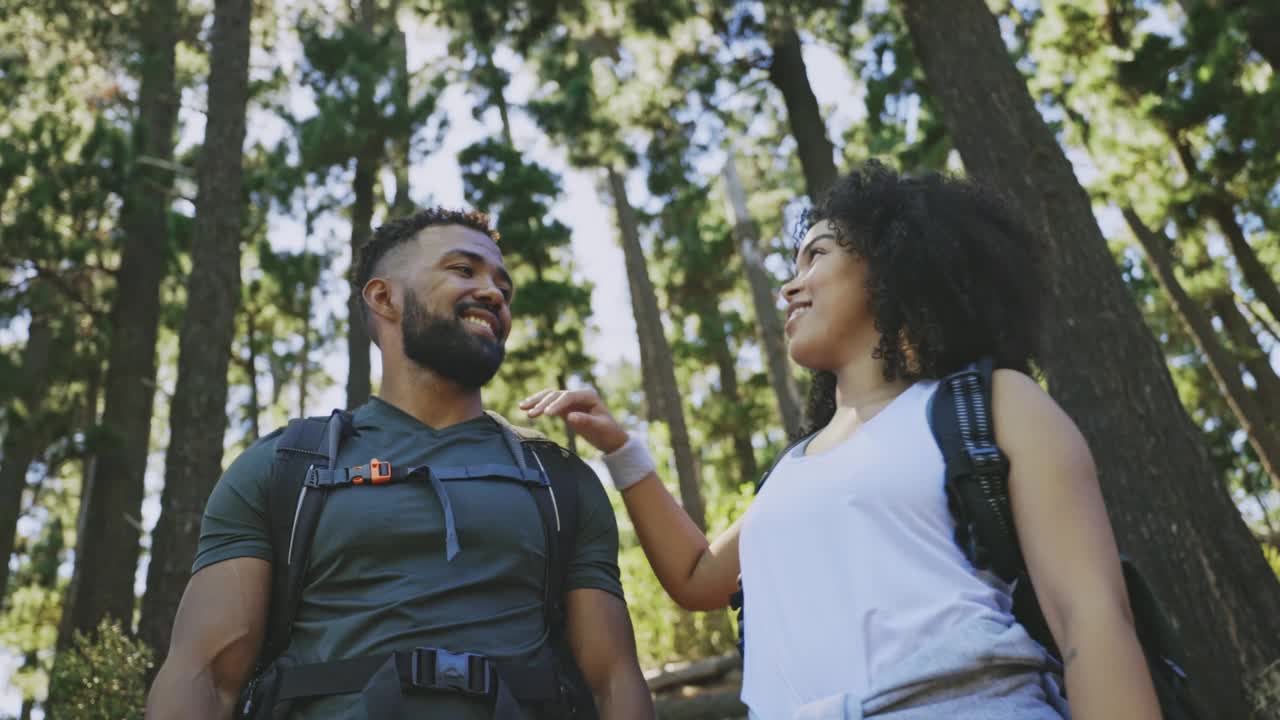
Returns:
(789, 289)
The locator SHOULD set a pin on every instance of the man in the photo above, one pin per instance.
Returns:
(456, 569)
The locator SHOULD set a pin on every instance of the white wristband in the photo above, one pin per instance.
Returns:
(629, 464)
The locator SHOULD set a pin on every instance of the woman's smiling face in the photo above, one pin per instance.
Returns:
(828, 304)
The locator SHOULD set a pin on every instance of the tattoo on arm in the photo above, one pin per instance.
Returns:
(1068, 656)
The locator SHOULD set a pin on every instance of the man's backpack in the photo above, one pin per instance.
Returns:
(306, 452)
(977, 487)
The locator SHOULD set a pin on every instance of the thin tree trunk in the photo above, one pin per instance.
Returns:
(1105, 368)
(787, 72)
(304, 374)
(768, 318)
(368, 157)
(1251, 355)
(197, 417)
(655, 361)
(1256, 275)
(1221, 364)
(251, 369)
(744, 453)
(25, 437)
(107, 550)
(359, 385)
(402, 145)
(1220, 204)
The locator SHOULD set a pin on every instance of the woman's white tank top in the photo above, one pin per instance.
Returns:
(849, 562)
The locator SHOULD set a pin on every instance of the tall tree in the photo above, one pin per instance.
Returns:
(768, 320)
(661, 390)
(1252, 419)
(368, 159)
(739, 23)
(25, 434)
(788, 73)
(197, 416)
(1107, 371)
(107, 547)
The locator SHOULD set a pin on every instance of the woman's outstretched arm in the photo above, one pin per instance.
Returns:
(697, 574)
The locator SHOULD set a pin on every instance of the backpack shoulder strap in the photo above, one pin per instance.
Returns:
(777, 460)
(558, 506)
(977, 471)
(292, 515)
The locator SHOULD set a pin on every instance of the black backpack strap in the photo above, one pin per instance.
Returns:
(977, 479)
(558, 506)
(293, 510)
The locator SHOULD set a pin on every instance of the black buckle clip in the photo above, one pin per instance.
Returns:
(467, 673)
(987, 459)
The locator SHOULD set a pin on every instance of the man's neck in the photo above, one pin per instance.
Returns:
(431, 399)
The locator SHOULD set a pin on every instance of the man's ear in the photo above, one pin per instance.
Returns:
(378, 297)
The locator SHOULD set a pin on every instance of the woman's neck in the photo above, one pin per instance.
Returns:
(862, 390)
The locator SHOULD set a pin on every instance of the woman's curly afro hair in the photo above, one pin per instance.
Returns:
(950, 270)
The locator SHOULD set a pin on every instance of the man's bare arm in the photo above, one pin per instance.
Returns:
(604, 645)
(216, 639)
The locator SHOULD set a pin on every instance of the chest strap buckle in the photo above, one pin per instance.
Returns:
(438, 669)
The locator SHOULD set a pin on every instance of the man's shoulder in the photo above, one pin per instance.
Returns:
(257, 458)
(526, 434)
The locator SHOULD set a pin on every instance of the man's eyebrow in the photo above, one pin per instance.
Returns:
(476, 257)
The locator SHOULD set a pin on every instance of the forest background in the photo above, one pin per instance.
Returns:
(181, 183)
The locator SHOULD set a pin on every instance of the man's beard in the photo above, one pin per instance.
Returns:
(443, 345)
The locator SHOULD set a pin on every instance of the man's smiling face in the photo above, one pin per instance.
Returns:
(456, 303)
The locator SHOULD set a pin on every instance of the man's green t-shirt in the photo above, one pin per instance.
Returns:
(378, 579)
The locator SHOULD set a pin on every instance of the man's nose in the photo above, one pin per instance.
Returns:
(490, 294)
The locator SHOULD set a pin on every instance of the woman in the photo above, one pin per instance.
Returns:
(861, 604)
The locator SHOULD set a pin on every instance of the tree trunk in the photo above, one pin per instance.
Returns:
(655, 359)
(251, 369)
(359, 386)
(1104, 366)
(787, 73)
(1251, 355)
(25, 437)
(768, 318)
(1256, 275)
(197, 417)
(304, 373)
(1219, 204)
(744, 453)
(1221, 364)
(402, 145)
(107, 551)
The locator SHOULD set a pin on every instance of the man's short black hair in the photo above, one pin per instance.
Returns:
(392, 233)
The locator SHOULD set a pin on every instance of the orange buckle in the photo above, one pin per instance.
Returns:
(379, 471)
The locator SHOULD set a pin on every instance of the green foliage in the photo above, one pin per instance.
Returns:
(104, 676)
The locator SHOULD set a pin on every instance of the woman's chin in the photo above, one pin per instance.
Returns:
(808, 357)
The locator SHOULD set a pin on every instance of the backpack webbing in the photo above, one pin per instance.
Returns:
(292, 517)
(293, 514)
